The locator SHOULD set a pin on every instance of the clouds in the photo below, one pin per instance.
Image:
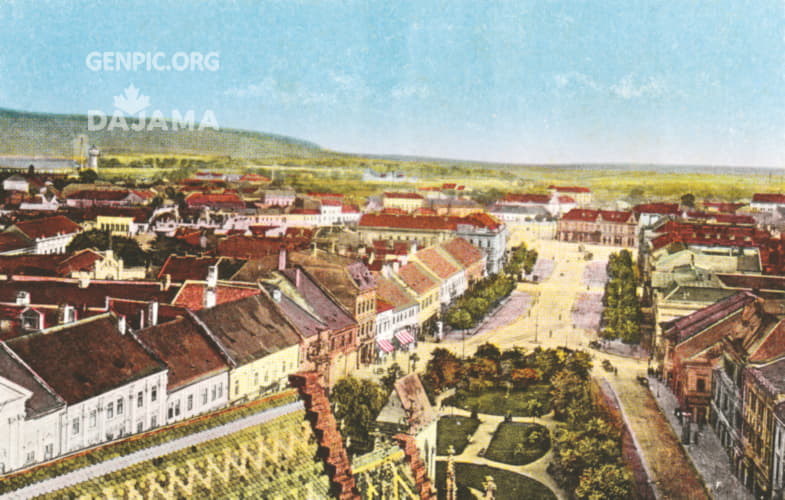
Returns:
(333, 90)
(629, 87)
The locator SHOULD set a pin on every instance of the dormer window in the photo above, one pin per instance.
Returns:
(31, 320)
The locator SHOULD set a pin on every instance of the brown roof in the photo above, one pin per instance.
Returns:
(416, 278)
(463, 251)
(772, 346)
(769, 198)
(410, 196)
(83, 260)
(437, 263)
(58, 290)
(326, 307)
(186, 350)
(99, 194)
(187, 267)
(390, 291)
(691, 324)
(85, 359)
(13, 241)
(43, 399)
(47, 227)
(191, 295)
(249, 329)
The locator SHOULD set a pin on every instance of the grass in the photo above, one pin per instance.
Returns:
(495, 402)
(455, 432)
(513, 443)
(160, 435)
(509, 485)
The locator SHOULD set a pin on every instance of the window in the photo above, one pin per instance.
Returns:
(139, 426)
(154, 421)
(701, 385)
(75, 426)
(236, 387)
(177, 408)
(190, 403)
(30, 457)
(256, 379)
(93, 419)
(219, 390)
(154, 393)
(49, 451)
(204, 396)
(139, 399)
(214, 392)
(120, 406)
(110, 410)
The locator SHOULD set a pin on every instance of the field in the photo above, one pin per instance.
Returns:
(455, 432)
(513, 443)
(509, 485)
(495, 402)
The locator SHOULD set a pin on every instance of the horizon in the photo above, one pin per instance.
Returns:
(562, 83)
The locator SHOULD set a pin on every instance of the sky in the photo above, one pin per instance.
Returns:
(686, 82)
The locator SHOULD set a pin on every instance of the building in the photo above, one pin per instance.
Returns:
(404, 316)
(468, 256)
(198, 378)
(600, 227)
(113, 389)
(262, 346)
(215, 201)
(448, 271)
(767, 202)
(581, 195)
(47, 235)
(122, 221)
(408, 202)
(426, 288)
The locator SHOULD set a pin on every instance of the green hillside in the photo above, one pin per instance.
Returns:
(44, 134)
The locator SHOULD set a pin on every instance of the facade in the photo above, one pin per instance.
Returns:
(192, 387)
(123, 222)
(450, 273)
(48, 235)
(581, 195)
(767, 202)
(600, 227)
(408, 202)
(262, 346)
(468, 256)
(114, 389)
(404, 322)
(426, 288)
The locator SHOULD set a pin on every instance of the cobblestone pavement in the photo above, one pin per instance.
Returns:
(109, 466)
(707, 455)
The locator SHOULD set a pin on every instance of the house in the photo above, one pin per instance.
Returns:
(468, 256)
(767, 202)
(602, 227)
(262, 346)
(581, 195)
(121, 221)
(449, 272)
(87, 198)
(280, 197)
(651, 213)
(30, 415)
(48, 235)
(480, 229)
(215, 201)
(111, 385)
(426, 288)
(554, 204)
(409, 411)
(198, 378)
(384, 333)
(404, 316)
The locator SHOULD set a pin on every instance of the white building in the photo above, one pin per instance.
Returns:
(193, 388)
(49, 235)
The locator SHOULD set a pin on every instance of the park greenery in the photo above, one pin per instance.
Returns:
(454, 432)
(621, 316)
(518, 443)
(514, 381)
(509, 485)
(521, 260)
(587, 449)
(479, 300)
(356, 404)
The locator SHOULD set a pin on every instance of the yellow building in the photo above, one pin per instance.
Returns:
(122, 221)
(408, 202)
(262, 346)
(425, 288)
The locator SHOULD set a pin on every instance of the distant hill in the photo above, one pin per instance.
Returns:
(44, 134)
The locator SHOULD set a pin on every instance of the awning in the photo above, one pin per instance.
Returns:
(404, 337)
(385, 345)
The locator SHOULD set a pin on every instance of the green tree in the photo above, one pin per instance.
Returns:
(357, 404)
(488, 351)
(443, 370)
(394, 372)
(607, 482)
(87, 176)
(688, 200)
(458, 317)
(125, 248)
(568, 390)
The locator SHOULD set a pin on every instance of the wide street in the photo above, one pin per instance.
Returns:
(549, 322)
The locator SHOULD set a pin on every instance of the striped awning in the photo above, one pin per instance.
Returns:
(404, 337)
(385, 345)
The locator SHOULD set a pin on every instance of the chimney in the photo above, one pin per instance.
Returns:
(277, 295)
(387, 270)
(152, 313)
(203, 241)
(212, 276)
(396, 266)
(282, 259)
(121, 325)
(22, 298)
(67, 314)
(297, 278)
(209, 298)
(166, 282)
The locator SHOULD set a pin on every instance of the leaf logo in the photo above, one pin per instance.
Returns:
(131, 102)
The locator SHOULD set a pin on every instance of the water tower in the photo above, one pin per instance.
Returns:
(92, 158)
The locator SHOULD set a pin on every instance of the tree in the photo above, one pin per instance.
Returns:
(459, 318)
(688, 200)
(125, 248)
(357, 404)
(443, 370)
(87, 176)
(523, 377)
(607, 482)
(488, 351)
(394, 372)
(568, 390)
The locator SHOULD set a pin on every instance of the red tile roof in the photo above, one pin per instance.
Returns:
(410, 196)
(191, 295)
(85, 359)
(570, 189)
(99, 195)
(773, 345)
(722, 206)
(691, 324)
(254, 178)
(382, 305)
(417, 279)
(657, 208)
(769, 198)
(83, 260)
(252, 247)
(436, 263)
(349, 209)
(390, 291)
(525, 198)
(428, 222)
(186, 267)
(47, 227)
(463, 251)
(186, 350)
(224, 200)
(581, 214)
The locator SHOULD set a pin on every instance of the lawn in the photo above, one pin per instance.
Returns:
(496, 402)
(455, 432)
(514, 444)
(509, 485)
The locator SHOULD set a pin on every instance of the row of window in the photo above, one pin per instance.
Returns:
(113, 408)
(207, 395)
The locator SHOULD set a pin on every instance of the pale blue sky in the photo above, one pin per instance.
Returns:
(668, 81)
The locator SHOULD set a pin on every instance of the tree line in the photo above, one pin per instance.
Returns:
(621, 315)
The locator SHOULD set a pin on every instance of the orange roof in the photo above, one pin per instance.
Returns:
(436, 263)
(191, 294)
(463, 251)
(417, 279)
